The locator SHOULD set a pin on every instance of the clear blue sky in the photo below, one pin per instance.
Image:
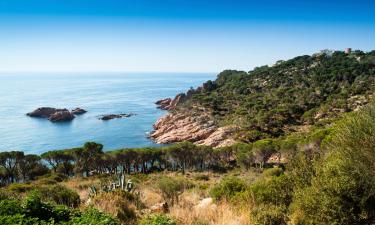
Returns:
(175, 35)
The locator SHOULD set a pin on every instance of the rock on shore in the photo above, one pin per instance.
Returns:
(200, 129)
(168, 103)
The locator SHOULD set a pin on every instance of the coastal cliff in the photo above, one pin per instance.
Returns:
(200, 129)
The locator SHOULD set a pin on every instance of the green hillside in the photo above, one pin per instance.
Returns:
(271, 101)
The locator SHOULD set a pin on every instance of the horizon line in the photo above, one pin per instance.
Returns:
(101, 71)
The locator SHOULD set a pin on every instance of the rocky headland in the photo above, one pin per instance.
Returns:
(296, 95)
(177, 127)
(184, 125)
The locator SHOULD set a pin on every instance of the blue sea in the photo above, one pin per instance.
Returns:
(98, 93)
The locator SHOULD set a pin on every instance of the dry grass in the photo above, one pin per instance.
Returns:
(81, 186)
(117, 205)
(150, 196)
(188, 210)
(221, 214)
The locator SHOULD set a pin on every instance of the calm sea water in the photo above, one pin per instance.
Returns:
(102, 93)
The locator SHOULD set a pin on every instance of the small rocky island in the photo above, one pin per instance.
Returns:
(56, 115)
(115, 116)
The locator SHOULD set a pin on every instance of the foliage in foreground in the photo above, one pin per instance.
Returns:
(157, 219)
(33, 211)
(337, 187)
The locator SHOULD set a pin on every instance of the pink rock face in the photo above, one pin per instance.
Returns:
(201, 130)
(164, 103)
(170, 104)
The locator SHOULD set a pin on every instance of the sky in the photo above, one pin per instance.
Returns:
(176, 35)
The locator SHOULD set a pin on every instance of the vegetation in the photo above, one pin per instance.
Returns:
(33, 211)
(171, 188)
(157, 219)
(270, 101)
(322, 175)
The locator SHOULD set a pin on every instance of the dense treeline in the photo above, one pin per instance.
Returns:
(269, 100)
(91, 159)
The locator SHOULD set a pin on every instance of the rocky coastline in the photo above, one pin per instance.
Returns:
(184, 125)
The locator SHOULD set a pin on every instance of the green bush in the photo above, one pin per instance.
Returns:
(94, 217)
(273, 172)
(203, 177)
(269, 215)
(171, 188)
(46, 181)
(35, 208)
(19, 219)
(60, 195)
(20, 187)
(10, 207)
(228, 188)
(342, 190)
(157, 219)
(273, 190)
(33, 211)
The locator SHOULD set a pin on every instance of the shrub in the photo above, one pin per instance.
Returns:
(35, 208)
(228, 188)
(20, 188)
(33, 211)
(343, 189)
(18, 219)
(171, 188)
(269, 215)
(46, 181)
(58, 177)
(203, 177)
(274, 190)
(273, 172)
(93, 216)
(61, 213)
(60, 195)
(10, 207)
(157, 219)
(118, 204)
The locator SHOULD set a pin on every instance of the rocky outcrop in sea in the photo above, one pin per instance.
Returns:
(56, 115)
(115, 116)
